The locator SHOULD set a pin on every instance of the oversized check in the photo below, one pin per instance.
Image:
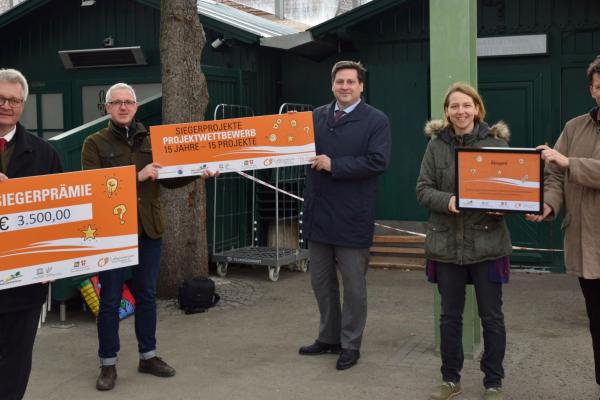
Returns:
(229, 145)
(61, 225)
(503, 179)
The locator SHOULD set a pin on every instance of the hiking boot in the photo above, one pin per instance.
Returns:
(493, 394)
(107, 378)
(445, 391)
(157, 367)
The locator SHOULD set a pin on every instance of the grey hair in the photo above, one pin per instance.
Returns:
(14, 76)
(119, 86)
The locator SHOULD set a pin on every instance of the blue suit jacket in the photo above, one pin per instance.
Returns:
(339, 206)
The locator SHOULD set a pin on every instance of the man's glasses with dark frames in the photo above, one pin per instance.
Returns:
(119, 103)
(11, 101)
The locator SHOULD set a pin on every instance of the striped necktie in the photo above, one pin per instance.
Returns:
(339, 114)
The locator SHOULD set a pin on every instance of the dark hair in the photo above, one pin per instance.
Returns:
(360, 69)
(594, 68)
(469, 91)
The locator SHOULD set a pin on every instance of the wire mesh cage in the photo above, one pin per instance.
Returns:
(253, 224)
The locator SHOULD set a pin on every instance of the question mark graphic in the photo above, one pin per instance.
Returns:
(120, 210)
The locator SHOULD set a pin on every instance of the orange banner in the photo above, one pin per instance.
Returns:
(61, 225)
(229, 145)
(499, 179)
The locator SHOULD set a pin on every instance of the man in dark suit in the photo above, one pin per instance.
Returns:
(353, 146)
(22, 154)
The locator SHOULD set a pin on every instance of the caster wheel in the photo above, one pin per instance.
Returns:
(274, 273)
(222, 269)
(303, 265)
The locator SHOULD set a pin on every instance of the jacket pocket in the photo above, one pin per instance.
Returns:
(444, 176)
(490, 240)
(143, 156)
(158, 216)
(436, 240)
(111, 158)
(566, 222)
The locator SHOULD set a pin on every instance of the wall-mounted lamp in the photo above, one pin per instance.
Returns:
(85, 3)
(108, 41)
(218, 42)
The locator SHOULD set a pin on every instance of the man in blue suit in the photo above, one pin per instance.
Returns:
(353, 146)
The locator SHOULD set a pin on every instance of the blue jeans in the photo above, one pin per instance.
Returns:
(452, 280)
(144, 291)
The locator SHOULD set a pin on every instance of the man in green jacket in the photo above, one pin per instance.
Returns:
(125, 142)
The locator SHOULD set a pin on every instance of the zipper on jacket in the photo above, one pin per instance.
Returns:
(460, 225)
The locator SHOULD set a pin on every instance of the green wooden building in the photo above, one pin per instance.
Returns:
(532, 60)
(71, 53)
(533, 56)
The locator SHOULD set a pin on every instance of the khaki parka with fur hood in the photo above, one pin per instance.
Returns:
(470, 236)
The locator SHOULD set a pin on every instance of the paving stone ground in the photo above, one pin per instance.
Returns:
(246, 347)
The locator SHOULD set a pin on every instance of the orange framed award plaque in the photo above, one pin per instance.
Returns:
(500, 179)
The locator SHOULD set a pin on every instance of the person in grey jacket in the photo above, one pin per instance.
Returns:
(464, 246)
(353, 146)
(572, 181)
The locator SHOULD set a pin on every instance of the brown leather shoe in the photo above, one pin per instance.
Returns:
(157, 367)
(107, 378)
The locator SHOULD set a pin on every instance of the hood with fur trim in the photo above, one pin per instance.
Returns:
(435, 128)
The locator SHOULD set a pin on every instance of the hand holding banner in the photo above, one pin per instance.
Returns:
(61, 225)
(229, 145)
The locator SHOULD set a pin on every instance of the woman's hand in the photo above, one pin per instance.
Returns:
(452, 205)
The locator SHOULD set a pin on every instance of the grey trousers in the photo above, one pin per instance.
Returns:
(340, 324)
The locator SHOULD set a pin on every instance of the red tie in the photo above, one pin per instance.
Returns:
(339, 114)
(3, 143)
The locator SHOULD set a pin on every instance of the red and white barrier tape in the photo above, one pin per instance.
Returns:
(261, 182)
(400, 230)
(252, 178)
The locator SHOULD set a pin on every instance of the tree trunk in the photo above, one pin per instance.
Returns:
(184, 99)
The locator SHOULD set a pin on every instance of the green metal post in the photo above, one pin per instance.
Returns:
(453, 58)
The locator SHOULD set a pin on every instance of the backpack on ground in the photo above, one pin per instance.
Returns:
(197, 294)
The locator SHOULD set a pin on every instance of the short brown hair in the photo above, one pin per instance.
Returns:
(360, 69)
(469, 91)
(594, 68)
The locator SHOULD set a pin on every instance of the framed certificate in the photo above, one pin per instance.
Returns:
(499, 179)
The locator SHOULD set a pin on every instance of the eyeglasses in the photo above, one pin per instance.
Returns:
(119, 103)
(11, 101)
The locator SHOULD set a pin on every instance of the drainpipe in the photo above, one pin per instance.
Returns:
(456, 19)
(279, 9)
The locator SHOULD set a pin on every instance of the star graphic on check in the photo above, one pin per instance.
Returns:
(89, 233)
